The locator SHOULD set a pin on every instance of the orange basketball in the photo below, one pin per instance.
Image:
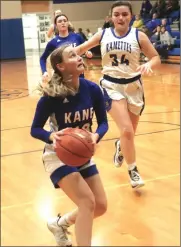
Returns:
(75, 148)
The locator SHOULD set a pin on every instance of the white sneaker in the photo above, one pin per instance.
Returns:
(59, 231)
(135, 178)
(118, 156)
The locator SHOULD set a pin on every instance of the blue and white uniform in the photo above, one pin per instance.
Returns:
(120, 59)
(73, 111)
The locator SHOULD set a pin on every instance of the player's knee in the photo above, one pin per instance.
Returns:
(88, 203)
(101, 207)
(128, 132)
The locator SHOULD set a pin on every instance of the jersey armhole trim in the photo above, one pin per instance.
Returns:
(102, 35)
(137, 38)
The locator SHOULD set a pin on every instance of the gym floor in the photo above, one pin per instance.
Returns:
(148, 217)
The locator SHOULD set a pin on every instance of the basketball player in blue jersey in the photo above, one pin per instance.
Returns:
(64, 37)
(123, 90)
(74, 104)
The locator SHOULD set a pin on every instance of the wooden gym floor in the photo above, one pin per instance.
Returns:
(149, 217)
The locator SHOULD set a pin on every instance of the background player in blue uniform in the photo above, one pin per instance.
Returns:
(69, 101)
(123, 90)
(64, 37)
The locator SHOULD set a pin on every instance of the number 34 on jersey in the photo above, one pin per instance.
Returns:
(116, 61)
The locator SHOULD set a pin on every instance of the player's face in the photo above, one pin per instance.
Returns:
(62, 23)
(121, 17)
(72, 63)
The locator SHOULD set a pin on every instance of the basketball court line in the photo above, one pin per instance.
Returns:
(115, 186)
(159, 112)
(145, 121)
(110, 139)
(109, 120)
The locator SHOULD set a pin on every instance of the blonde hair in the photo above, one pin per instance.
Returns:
(56, 87)
(57, 12)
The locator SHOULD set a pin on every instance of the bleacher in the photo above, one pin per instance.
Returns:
(174, 23)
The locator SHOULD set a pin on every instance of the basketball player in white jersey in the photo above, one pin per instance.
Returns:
(121, 82)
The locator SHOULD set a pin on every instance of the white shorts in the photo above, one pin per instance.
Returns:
(133, 93)
(57, 169)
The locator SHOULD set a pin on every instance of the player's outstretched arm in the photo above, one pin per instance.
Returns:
(92, 42)
(42, 113)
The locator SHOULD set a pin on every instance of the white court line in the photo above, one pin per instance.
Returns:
(147, 180)
(106, 188)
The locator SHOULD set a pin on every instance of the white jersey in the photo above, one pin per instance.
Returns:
(120, 55)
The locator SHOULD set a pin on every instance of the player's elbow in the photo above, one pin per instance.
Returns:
(33, 132)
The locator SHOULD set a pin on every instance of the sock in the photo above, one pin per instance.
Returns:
(120, 143)
(131, 166)
(67, 219)
(64, 220)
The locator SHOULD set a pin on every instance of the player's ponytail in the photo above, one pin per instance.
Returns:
(57, 87)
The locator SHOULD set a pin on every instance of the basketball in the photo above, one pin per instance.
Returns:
(75, 148)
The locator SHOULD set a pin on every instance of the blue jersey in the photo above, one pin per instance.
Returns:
(73, 39)
(73, 111)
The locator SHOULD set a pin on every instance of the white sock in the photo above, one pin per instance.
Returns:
(131, 166)
(64, 220)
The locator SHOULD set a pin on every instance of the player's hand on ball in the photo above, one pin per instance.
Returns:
(55, 136)
(95, 137)
(60, 133)
(145, 69)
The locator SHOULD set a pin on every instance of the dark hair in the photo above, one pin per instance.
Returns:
(70, 28)
(55, 20)
(163, 27)
(122, 3)
(56, 87)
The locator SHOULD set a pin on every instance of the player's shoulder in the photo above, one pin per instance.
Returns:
(104, 31)
(92, 86)
(72, 34)
(142, 37)
(78, 36)
(47, 100)
(53, 41)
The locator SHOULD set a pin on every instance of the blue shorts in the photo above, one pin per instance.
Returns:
(58, 170)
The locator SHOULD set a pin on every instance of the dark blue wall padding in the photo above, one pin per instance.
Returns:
(174, 52)
(176, 34)
(78, 1)
(12, 39)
